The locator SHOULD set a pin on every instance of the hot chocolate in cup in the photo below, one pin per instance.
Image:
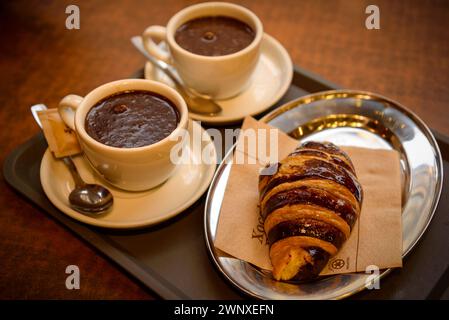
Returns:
(223, 72)
(127, 130)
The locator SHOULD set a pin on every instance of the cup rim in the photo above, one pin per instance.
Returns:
(173, 44)
(153, 86)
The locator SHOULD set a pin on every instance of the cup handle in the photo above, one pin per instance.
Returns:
(151, 37)
(67, 108)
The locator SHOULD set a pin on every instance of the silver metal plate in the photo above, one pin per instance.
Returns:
(346, 118)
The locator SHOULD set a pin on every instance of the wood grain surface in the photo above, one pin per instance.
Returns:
(41, 61)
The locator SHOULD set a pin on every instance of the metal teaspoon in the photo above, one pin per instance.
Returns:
(85, 198)
(196, 102)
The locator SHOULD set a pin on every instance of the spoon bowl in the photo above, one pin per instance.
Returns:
(91, 198)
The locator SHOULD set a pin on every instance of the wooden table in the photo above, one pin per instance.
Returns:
(41, 61)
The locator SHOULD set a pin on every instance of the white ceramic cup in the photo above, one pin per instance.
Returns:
(218, 76)
(133, 169)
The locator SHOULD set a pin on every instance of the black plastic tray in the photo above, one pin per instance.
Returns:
(184, 270)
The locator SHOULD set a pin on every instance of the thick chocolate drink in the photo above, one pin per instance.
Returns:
(214, 36)
(132, 119)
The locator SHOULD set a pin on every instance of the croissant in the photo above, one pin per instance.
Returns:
(309, 202)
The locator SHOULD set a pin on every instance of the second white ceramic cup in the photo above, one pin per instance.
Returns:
(132, 169)
(218, 76)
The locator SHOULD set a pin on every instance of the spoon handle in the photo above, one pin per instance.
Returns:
(79, 182)
(35, 109)
(196, 102)
(137, 41)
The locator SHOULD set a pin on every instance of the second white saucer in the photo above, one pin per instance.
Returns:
(269, 83)
(134, 209)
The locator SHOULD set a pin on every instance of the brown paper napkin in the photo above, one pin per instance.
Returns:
(61, 140)
(376, 238)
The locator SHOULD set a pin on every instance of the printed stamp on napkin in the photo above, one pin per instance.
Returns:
(376, 238)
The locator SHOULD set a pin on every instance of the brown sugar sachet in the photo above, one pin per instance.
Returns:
(61, 140)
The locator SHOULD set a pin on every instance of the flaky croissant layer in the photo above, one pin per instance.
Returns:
(309, 206)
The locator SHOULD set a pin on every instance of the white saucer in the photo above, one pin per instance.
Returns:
(270, 81)
(132, 209)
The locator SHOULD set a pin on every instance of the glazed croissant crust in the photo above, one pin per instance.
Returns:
(309, 202)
